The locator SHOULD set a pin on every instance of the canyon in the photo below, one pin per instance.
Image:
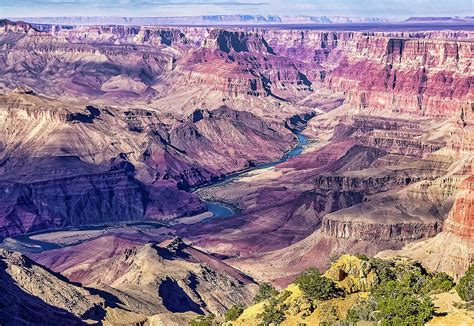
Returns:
(118, 142)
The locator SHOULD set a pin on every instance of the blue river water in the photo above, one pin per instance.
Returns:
(33, 245)
(221, 210)
(218, 210)
(295, 151)
(24, 242)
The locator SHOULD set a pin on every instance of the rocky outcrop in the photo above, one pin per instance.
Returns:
(238, 135)
(396, 136)
(353, 274)
(211, 144)
(367, 231)
(30, 294)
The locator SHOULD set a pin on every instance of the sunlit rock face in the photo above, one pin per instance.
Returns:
(171, 277)
(461, 219)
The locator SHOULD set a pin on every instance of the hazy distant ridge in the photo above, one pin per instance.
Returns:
(202, 20)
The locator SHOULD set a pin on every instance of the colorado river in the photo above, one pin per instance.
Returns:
(222, 210)
(295, 151)
(218, 210)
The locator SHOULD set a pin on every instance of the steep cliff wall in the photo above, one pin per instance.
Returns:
(461, 218)
(417, 73)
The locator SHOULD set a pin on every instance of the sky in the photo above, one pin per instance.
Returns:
(398, 9)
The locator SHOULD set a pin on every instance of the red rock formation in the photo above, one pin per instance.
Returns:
(461, 218)
(422, 73)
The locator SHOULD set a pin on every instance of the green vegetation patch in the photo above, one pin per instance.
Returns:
(233, 313)
(265, 291)
(465, 287)
(315, 286)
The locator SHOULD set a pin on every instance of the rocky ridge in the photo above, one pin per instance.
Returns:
(187, 279)
(32, 294)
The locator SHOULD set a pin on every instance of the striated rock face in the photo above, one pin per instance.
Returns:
(394, 135)
(451, 250)
(461, 218)
(72, 201)
(367, 231)
(406, 83)
(413, 73)
(30, 294)
(88, 199)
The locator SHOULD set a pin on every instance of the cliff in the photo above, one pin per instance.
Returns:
(412, 73)
(461, 218)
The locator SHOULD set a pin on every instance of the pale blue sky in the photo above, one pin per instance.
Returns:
(363, 8)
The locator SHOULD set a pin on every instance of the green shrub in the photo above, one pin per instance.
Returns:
(233, 312)
(363, 310)
(401, 295)
(265, 291)
(413, 278)
(316, 286)
(273, 313)
(421, 282)
(383, 268)
(465, 286)
(362, 257)
(201, 320)
(283, 296)
(438, 283)
(398, 304)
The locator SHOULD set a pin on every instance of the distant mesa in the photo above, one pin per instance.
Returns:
(440, 19)
(203, 20)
